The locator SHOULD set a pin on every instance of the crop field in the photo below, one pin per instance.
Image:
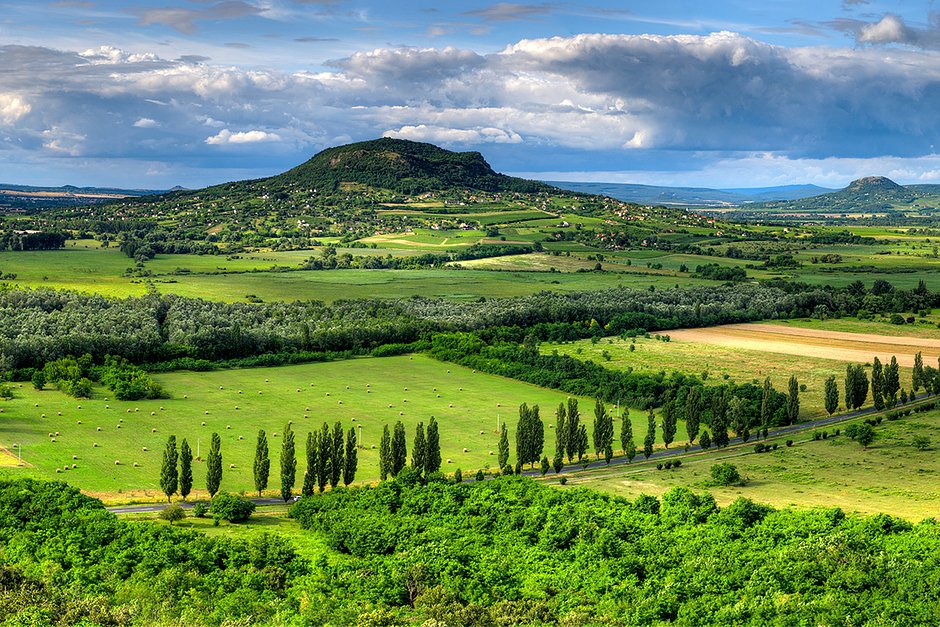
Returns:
(892, 475)
(52, 430)
(722, 352)
(925, 327)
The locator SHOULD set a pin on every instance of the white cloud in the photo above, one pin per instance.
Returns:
(146, 123)
(442, 135)
(12, 108)
(225, 137)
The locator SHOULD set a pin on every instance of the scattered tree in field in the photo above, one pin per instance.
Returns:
(214, 466)
(766, 404)
(793, 401)
(725, 474)
(502, 452)
(650, 438)
(288, 463)
(865, 435)
(419, 449)
(693, 412)
(310, 475)
(385, 454)
(262, 465)
(877, 384)
(433, 459)
(572, 423)
(832, 395)
(169, 473)
(669, 419)
(324, 457)
(892, 382)
(917, 376)
(186, 469)
(39, 379)
(337, 463)
(172, 513)
(399, 455)
(603, 430)
(352, 457)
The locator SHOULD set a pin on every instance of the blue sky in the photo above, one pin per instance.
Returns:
(719, 94)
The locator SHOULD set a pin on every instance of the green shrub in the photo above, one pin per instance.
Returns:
(725, 475)
(231, 507)
(200, 509)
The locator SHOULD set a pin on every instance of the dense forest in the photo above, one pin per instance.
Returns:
(505, 551)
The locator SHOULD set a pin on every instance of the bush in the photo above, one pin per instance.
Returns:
(480, 476)
(563, 480)
(5, 391)
(921, 442)
(231, 507)
(200, 509)
(789, 442)
(172, 513)
(458, 476)
(725, 475)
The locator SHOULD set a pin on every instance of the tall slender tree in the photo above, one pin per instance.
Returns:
(214, 466)
(536, 435)
(793, 401)
(832, 395)
(766, 404)
(572, 423)
(693, 412)
(892, 382)
(324, 457)
(650, 438)
(603, 429)
(399, 449)
(720, 430)
(917, 376)
(262, 465)
(419, 450)
(169, 473)
(582, 441)
(336, 455)
(433, 461)
(877, 384)
(502, 453)
(668, 415)
(561, 431)
(352, 457)
(385, 454)
(186, 469)
(310, 474)
(288, 463)
(740, 420)
(861, 386)
(626, 435)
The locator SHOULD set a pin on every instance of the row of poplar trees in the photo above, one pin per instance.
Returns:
(425, 453)
(176, 472)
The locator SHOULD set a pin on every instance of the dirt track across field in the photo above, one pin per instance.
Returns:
(855, 347)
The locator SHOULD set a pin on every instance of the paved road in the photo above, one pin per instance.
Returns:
(574, 468)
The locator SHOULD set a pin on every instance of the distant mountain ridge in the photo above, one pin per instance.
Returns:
(691, 196)
(870, 194)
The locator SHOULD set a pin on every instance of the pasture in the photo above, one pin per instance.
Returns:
(749, 353)
(891, 476)
(53, 430)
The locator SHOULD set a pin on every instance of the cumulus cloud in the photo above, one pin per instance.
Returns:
(511, 11)
(185, 20)
(442, 135)
(892, 29)
(12, 108)
(225, 137)
(146, 123)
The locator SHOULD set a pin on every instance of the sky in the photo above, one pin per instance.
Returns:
(723, 93)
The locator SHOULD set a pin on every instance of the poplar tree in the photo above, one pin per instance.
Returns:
(310, 474)
(832, 395)
(582, 441)
(288, 463)
(530, 435)
(877, 384)
(214, 466)
(892, 382)
(186, 469)
(573, 421)
(502, 454)
(720, 430)
(861, 385)
(385, 454)
(603, 429)
(917, 376)
(793, 401)
(561, 431)
(693, 412)
(433, 460)
(650, 439)
(399, 455)
(336, 455)
(740, 421)
(169, 473)
(626, 435)
(669, 420)
(262, 465)
(766, 404)
(324, 468)
(352, 457)
(419, 451)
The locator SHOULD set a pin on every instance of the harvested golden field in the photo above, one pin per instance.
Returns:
(825, 344)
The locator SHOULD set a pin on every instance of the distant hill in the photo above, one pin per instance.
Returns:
(401, 166)
(691, 196)
(29, 197)
(871, 194)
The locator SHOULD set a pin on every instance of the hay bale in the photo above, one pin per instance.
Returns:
(120, 420)
(451, 405)
(231, 465)
(74, 456)
(56, 434)
(239, 391)
(79, 422)
(43, 416)
(74, 465)
(119, 426)
(373, 446)
(491, 452)
(347, 387)
(401, 413)
(99, 428)
(154, 430)
(145, 449)
(58, 470)
(66, 467)
(95, 445)
(203, 423)
(207, 412)
(117, 462)
(161, 409)
(236, 408)
(185, 395)
(221, 388)
(449, 461)
(228, 426)
(136, 465)
(52, 440)
(51, 434)
(465, 450)
(481, 431)
(267, 381)
(137, 410)
(59, 413)
(153, 413)
(128, 410)
(241, 437)
(340, 402)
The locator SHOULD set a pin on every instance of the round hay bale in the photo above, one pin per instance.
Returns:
(154, 430)
(404, 400)
(354, 420)
(51, 434)
(347, 387)
(128, 410)
(56, 434)
(203, 423)
(59, 413)
(153, 413)
(52, 440)
(161, 409)
(373, 446)
(275, 434)
(221, 388)
(99, 428)
(207, 412)
(74, 456)
(389, 405)
(119, 426)
(120, 420)
(43, 416)
(449, 461)
(185, 395)
(228, 426)
(406, 389)
(327, 393)
(79, 422)
(368, 391)
(107, 407)
(136, 465)
(241, 437)
(491, 452)
(117, 462)
(438, 395)
(137, 410)
(460, 389)
(58, 470)
(74, 465)
(465, 450)
(498, 404)
(267, 381)
(340, 402)
(239, 391)
(66, 467)
(231, 465)
(145, 449)
(401, 413)
(95, 445)
(37, 404)
(236, 408)
(481, 432)
(451, 405)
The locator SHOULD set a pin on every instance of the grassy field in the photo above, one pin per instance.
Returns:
(922, 327)
(741, 365)
(366, 393)
(890, 476)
